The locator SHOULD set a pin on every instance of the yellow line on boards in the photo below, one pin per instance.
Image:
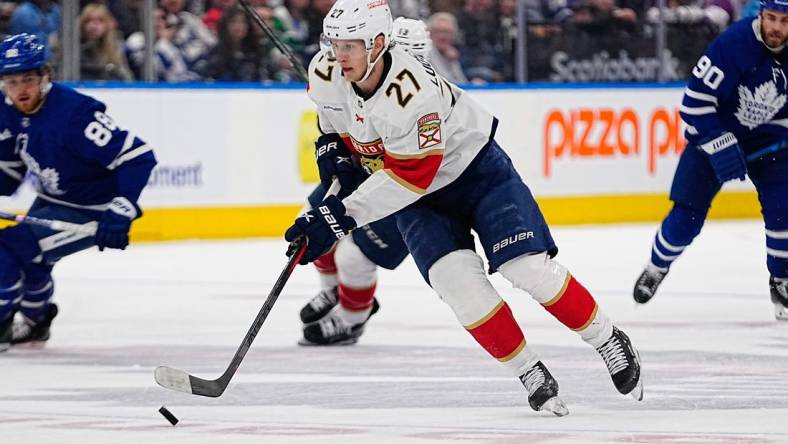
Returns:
(163, 224)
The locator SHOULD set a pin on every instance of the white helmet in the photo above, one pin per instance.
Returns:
(412, 35)
(360, 20)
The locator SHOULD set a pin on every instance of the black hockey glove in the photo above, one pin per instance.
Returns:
(726, 158)
(115, 223)
(323, 227)
(335, 160)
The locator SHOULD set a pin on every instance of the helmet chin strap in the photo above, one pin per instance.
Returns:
(370, 64)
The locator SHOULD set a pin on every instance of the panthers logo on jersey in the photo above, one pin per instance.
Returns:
(370, 154)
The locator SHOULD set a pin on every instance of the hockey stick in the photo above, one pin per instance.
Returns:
(278, 43)
(773, 148)
(181, 381)
(57, 225)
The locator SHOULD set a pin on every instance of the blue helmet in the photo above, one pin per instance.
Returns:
(20, 53)
(775, 5)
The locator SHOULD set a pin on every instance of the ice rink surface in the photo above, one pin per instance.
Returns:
(715, 361)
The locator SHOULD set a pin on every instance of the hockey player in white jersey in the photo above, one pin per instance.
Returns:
(435, 165)
(338, 313)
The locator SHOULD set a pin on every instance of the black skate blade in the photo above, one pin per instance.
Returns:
(303, 342)
(637, 392)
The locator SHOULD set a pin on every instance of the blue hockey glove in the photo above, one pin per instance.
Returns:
(113, 227)
(334, 160)
(726, 157)
(323, 226)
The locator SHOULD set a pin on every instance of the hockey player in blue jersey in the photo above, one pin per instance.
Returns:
(737, 123)
(84, 169)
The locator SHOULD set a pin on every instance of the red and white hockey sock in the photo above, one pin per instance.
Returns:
(574, 307)
(461, 281)
(327, 270)
(499, 334)
(355, 304)
(551, 284)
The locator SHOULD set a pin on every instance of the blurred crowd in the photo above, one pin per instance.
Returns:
(472, 40)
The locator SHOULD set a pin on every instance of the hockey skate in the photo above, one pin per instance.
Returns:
(543, 390)
(779, 291)
(623, 363)
(333, 330)
(647, 284)
(6, 333)
(34, 334)
(319, 305)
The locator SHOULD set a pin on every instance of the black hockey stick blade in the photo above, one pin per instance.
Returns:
(181, 381)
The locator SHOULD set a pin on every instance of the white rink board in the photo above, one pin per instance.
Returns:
(229, 147)
(239, 146)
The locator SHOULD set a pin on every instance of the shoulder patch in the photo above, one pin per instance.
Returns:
(429, 131)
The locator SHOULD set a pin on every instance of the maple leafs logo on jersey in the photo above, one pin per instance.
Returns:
(758, 107)
(46, 179)
(430, 131)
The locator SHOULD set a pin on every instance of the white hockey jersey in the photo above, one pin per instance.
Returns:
(416, 133)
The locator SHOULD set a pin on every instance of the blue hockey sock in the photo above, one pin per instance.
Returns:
(675, 234)
(10, 296)
(36, 299)
(777, 252)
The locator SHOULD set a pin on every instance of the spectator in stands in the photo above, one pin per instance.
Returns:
(480, 51)
(128, 14)
(278, 65)
(192, 38)
(6, 11)
(40, 18)
(715, 13)
(317, 11)
(507, 15)
(750, 8)
(415, 9)
(445, 56)
(169, 65)
(292, 14)
(101, 56)
(605, 17)
(238, 56)
(543, 13)
(214, 14)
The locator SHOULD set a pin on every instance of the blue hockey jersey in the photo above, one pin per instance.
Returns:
(738, 86)
(73, 151)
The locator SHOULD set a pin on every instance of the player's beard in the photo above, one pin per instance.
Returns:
(31, 104)
(773, 39)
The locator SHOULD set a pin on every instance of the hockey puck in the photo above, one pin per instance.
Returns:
(167, 414)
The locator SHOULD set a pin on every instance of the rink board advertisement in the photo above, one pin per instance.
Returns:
(236, 162)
